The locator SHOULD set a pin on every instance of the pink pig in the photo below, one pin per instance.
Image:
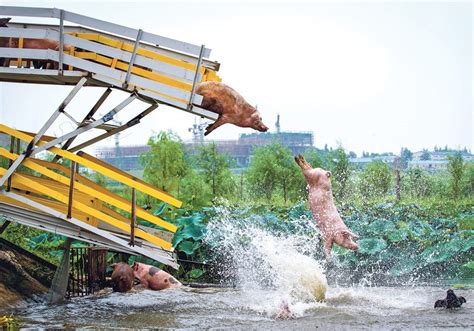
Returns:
(332, 228)
(154, 278)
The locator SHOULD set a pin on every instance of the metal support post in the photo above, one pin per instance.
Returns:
(10, 162)
(61, 42)
(196, 77)
(133, 218)
(61, 276)
(132, 59)
(4, 226)
(71, 189)
(42, 131)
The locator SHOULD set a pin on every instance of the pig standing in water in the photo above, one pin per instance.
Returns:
(332, 228)
(231, 107)
(122, 277)
(154, 278)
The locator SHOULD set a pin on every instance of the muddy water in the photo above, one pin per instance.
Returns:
(344, 308)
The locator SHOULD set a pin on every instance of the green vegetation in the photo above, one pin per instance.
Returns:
(428, 233)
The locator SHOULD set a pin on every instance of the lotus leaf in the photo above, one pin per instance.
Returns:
(371, 245)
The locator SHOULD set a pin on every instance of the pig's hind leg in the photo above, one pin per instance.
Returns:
(302, 162)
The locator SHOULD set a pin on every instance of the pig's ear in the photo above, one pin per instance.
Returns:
(328, 173)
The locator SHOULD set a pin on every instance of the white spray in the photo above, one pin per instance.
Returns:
(271, 267)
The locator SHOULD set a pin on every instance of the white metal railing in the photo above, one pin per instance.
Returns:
(174, 94)
(104, 26)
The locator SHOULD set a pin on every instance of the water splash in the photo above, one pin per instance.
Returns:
(272, 267)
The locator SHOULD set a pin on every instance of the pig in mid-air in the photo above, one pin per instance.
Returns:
(332, 228)
(154, 278)
(122, 277)
(230, 105)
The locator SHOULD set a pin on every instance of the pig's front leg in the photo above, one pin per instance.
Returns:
(327, 248)
(144, 283)
(220, 121)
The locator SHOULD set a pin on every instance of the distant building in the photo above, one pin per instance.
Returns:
(442, 155)
(128, 157)
(361, 162)
(428, 165)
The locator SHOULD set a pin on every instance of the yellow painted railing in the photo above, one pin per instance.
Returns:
(90, 202)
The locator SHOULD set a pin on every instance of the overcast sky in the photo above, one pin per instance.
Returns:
(372, 76)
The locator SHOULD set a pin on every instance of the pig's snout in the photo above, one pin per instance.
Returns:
(262, 128)
(354, 247)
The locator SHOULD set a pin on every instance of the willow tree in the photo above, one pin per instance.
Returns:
(164, 163)
(273, 168)
(456, 169)
(215, 169)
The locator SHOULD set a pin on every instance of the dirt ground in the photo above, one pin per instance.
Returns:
(21, 276)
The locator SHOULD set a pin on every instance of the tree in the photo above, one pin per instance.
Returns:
(425, 155)
(456, 169)
(272, 167)
(195, 192)
(376, 179)
(262, 173)
(216, 170)
(468, 182)
(417, 183)
(352, 155)
(341, 172)
(289, 174)
(405, 155)
(164, 163)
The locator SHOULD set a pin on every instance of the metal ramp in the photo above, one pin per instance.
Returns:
(159, 69)
(53, 197)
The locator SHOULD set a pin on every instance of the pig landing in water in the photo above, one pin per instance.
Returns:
(122, 277)
(154, 278)
(332, 228)
(231, 107)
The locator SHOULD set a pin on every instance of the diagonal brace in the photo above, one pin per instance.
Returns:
(129, 124)
(42, 131)
(107, 117)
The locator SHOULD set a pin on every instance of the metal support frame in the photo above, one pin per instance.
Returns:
(61, 42)
(133, 218)
(71, 189)
(42, 131)
(10, 162)
(89, 116)
(4, 226)
(156, 254)
(129, 124)
(107, 117)
(196, 76)
(132, 60)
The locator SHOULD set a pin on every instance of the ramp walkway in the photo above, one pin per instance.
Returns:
(55, 196)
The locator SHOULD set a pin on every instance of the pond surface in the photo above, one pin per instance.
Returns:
(344, 308)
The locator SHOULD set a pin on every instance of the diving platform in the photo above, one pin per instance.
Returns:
(159, 69)
(54, 193)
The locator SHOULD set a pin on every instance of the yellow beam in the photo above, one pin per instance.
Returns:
(90, 192)
(101, 167)
(141, 51)
(91, 211)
